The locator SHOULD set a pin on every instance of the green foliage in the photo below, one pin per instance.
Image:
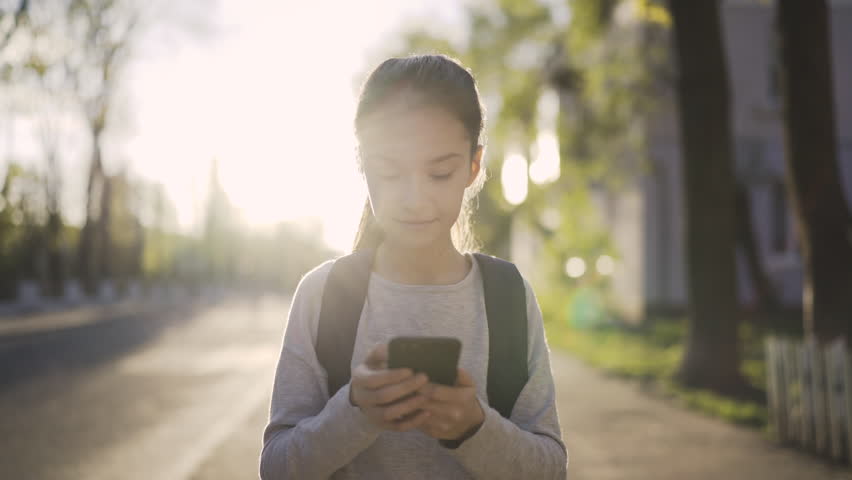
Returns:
(144, 243)
(20, 231)
(652, 354)
(739, 412)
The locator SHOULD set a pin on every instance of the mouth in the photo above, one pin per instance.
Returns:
(416, 223)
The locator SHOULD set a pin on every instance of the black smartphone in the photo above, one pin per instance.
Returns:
(437, 357)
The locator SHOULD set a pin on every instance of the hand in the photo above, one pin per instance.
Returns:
(389, 398)
(456, 411)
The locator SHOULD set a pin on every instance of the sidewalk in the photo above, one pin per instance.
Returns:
(613, 431)
(60, 318)
(78, 316)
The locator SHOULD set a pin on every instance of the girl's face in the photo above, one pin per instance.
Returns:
(417, 161)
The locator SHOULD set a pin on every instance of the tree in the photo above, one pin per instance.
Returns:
(18, 16)
(221, 230)
(56, 264)
(712, 354)
(105, 41)
(21, 232)
(823, 219)
(75, 50)
(72, 53)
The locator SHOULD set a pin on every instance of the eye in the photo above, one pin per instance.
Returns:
(442, 177)
(386, 174)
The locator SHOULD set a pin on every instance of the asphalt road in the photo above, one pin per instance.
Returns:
(154, 396)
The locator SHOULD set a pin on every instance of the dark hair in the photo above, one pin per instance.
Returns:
(440, 80)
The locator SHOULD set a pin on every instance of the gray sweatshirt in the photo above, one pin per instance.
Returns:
(312, 436)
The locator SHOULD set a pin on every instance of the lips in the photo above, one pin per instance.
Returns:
(415, 223)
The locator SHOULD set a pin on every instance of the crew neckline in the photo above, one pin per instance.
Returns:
(472, 273)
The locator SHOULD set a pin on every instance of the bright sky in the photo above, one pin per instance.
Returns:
(267, 88)
(271, 95)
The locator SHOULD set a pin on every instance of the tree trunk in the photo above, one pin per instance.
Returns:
(55, 261)
(87, 255)
(104, 235)
(55, 279)
(813, 177)
(712, 356)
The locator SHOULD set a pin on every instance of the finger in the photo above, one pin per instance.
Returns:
(443, 393)
(394, 392)
(427, 389)
(403, 408)
(376, 379)
(444, 412)
(378, 356)
(412, 423)
(463, 379)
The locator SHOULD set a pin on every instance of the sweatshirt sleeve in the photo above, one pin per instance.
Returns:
(309, 435)
(529, 445)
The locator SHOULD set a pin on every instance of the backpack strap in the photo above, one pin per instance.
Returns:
(506, 310)
(505, 307)
(342, 302)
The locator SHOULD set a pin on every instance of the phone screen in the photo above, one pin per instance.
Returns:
(437, 357)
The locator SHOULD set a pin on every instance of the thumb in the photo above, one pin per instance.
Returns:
(463, 379)
(378, 356)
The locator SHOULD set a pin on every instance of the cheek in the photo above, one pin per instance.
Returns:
(446, 198)
(452, 197)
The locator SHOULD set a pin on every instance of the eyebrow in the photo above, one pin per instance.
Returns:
(444, 157)
(432, 161)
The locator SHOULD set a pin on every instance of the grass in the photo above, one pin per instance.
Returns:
(653, 353)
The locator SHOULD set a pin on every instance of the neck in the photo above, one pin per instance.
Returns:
(439, 264)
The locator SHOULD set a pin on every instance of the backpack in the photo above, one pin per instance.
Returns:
(505, 307)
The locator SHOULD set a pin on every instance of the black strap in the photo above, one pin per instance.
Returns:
(342, 302)
(505, 307)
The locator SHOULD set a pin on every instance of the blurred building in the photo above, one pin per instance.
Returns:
(647, 221)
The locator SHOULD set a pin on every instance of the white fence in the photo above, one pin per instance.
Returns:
(809, 390)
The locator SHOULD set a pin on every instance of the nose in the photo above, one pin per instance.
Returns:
(414, 194)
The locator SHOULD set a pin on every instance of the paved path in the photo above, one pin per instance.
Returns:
(613, 431)
(199, 394)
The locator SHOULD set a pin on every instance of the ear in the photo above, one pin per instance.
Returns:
(475, 164)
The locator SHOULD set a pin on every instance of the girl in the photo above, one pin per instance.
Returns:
(418, 126)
